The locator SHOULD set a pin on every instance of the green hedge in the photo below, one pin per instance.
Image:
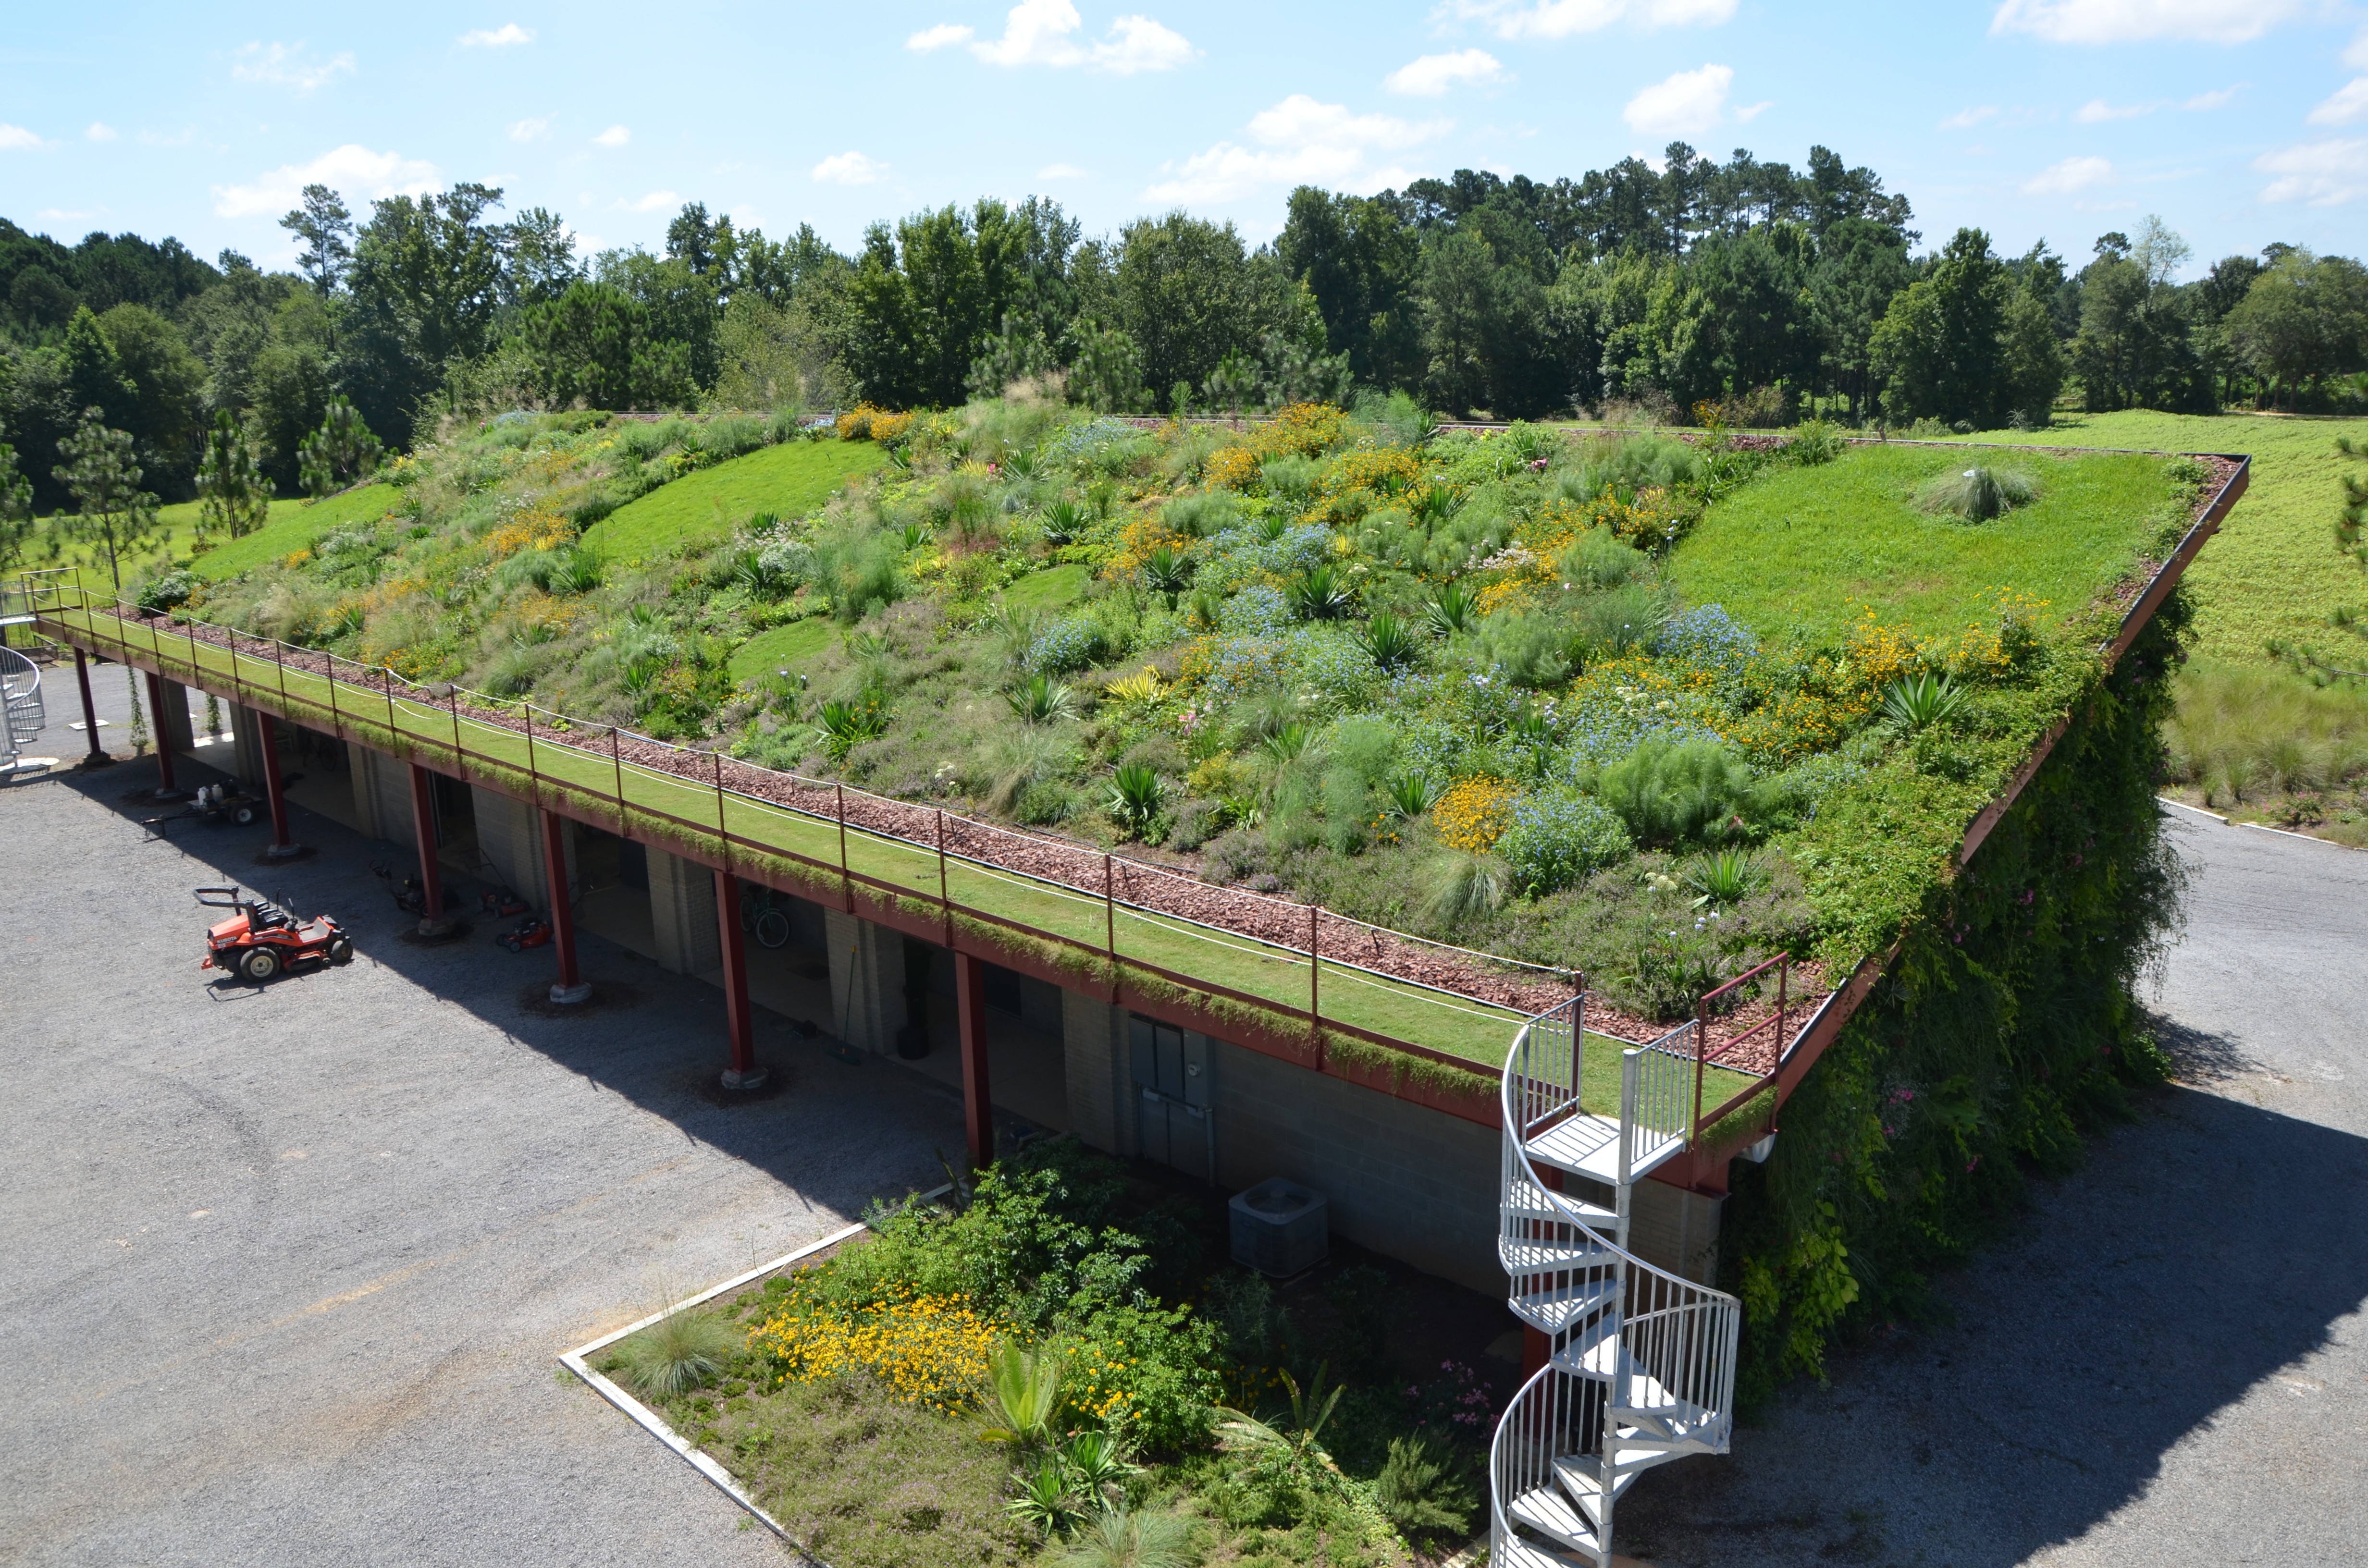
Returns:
(2004, 1029)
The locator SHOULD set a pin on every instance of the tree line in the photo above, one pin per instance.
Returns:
(1765, 291)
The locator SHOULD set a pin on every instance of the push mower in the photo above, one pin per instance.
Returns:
(408, 894)
(533, 931)
(262, 938)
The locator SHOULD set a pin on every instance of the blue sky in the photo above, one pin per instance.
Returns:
(2240, 121)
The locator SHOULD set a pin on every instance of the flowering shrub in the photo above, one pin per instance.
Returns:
(1708, 639)
(926, 1349)
(1079, 442)
(1070, 643)
(1257, 612)
(865, 423)
(1557, 836)
(1474, 813)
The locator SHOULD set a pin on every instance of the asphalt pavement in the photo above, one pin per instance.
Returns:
(286, 1267)
(2167, 1364)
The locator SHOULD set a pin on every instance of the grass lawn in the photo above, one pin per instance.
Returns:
(2272, 570)
(293, 526)
(783, 647)
(1049, 591)
(788, 479)
(1803, 551)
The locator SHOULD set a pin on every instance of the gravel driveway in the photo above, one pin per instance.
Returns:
(287, 1266)
(2169, 1366)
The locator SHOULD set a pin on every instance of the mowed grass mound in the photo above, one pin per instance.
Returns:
(788, 481)
(294, 525)
(2272, 570)
(1801, 553)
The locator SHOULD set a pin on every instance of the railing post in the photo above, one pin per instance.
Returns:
(723, 834)
(845, 878)
(1314, 1008)
(337, 720)
(279, 658)
(1701, 1047)
(1109, 921)
(533, 779)
(452, 696)
(945, 903)
(386, 679)
(617, 761)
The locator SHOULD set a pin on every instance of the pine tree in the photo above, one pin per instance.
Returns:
(105, 481)
(340, 450)
(232, 495)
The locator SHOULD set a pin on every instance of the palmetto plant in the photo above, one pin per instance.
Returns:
(1452, 610)
(1025, 1391)
(1135, 793)
(1723, 879)
(1040, 699)
(1319, 593)
(1914, 702)
(1409, 795)
(1166, 571)
(1298, 1447)
(1389, 641)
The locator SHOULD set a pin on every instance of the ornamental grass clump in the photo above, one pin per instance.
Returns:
(675, 1355)
(1978, 494)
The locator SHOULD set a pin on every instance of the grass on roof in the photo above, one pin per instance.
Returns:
(294, 525)
(783, 647)
(788, 481)
(1801, 552)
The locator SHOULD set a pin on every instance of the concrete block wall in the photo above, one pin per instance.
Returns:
(170, 722)
(382, 792)
(1094, 1057)
(867, 981)
(246, 744)
(509, 835)
(1676, 1230)
(683, 915)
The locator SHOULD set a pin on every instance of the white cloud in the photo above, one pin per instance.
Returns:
(1434, 74)
(848, 169)
(1042, 32)
(1563, 19)
(2357, 55)
(283, 66)
(61, 215)
(1749, 112)
(655, 201)
(2071, 174)
(181, 138)
(2349, 103)
(17, 138)
(2321, 172)
(2097, 110)
(527, 130)
(2128, 21)
(1686, 104)
(102, 133)
(349, 167)
(1967, 117)
(615, 136)
(502, 36)
(1061, 171)
(1300, 142)
(2216, 98)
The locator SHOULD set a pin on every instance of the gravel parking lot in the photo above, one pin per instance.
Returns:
(289, 1265)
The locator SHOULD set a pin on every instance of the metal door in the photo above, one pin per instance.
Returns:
(1174, 1123)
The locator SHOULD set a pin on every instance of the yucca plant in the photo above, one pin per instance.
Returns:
(1287, 744)
(1723, 879)
(1046, 1501)
(1320, 593)
(1120, 1538)
(1096, 1460)
(1271, 528)
(1300, 1445)
(1040, 699)
(1064, 520)
(1166, 571)
(1135, 794)
(1434, 504)
(1204, 610)
(1389, 641)
(848, 723)
(1409, 795)
(1916, 702)
(1452, 610)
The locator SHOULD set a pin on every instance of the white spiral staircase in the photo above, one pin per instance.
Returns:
(20, 694)
(1642, 1364)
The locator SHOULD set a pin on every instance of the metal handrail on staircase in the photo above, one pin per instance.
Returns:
(20, 697)
(1642, 1363)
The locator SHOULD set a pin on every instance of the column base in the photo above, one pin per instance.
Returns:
(569, 996)
(289, 852)
(754, 1078)
(432, 928)
(95, 760)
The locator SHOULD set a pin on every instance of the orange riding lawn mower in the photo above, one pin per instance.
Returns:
(262, 938)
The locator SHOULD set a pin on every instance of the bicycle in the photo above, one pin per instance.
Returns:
(762, 918)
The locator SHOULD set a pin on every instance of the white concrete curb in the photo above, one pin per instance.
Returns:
(577, 1362)
(2257, 827)
(2199, 811)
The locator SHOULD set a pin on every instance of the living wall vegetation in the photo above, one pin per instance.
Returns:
(1650, 708)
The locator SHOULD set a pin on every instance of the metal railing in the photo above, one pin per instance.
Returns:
(768, 826)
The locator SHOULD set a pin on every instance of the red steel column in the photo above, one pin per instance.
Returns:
(164, 746)
(431, 875)
(743, 1073)
(98, 756)
(571, 987)
(266, 735)
(978, 1104)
